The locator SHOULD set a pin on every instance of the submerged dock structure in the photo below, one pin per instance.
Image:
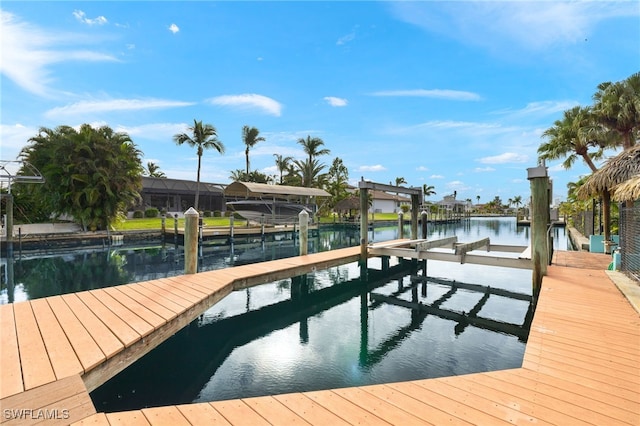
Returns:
(580, 364)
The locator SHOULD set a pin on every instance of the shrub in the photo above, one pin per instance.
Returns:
(217, 213)
(138, 214)
(151, 212)
(207, 213)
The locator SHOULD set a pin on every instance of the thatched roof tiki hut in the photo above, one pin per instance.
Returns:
(620, 170)
(620, 177)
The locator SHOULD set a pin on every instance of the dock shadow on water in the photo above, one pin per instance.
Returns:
(330, 329)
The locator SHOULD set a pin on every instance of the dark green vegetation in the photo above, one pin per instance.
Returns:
(90, 174)
(585, 132)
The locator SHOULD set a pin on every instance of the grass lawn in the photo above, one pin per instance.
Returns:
(156, 223)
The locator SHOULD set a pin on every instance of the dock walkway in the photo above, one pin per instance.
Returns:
(580, 364)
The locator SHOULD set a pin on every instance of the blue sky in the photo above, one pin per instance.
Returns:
(451, 94)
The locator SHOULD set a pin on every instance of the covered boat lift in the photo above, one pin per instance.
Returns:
(271, 197)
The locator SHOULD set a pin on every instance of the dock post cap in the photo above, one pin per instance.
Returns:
(536, 172)
(191, 212)
(303, 212)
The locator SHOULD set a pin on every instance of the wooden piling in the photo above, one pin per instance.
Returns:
(364, 224)
(191, 217)
(400, 225)
(539, 182)
(303, 218)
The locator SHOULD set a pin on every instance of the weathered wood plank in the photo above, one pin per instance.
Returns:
(568, 393)
(419, 408)
(462, 249)
(154, 299)
(273, 411)
(202, 414)
(157, 308)
(421, 391)
(87, 350)
(98, 419)
(136, 326)
(426, 245)
(11, 372)
(142, 311)
(309, 410)
(169, 416)
(237, 412)
(59, 402)
(63, 358)
(36, 367)
(379, 407)
(108, 342)
(128, 418)
(348, 411)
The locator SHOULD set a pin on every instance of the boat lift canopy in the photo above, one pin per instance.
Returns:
(260, 190)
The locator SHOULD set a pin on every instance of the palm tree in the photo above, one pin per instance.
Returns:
(311, 147)
(478, 199)
(400, 181)
(427, 191)
(202, 137)
(153, 170)
(516, 201)
(572, 137)
(309, 172)
(250, 138)
(282, 163)
(617, 106)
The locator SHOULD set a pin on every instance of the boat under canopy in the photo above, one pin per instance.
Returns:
(273, 204)
(271, 212)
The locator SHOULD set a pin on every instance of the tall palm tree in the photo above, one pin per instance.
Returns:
(477, 199)
(427, 191)
(282, 163)
(517, 201)
(400, 181)
(571, 138)
(203, 136)
(310, 172)
(311, 147)
(250, 138)
(617, 106)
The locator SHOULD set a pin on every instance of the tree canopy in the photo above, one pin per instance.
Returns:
(92, 174)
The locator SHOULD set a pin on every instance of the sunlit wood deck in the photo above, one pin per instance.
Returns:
(581, 364)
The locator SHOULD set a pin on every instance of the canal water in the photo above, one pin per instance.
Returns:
(328, 329)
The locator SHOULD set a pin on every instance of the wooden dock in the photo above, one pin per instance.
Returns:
(581, 363)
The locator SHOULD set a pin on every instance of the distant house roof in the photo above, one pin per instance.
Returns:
(250, 189)
(179, 186)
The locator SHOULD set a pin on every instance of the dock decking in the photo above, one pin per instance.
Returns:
(581, 364)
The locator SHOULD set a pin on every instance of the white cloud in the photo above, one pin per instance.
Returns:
(540, 109)
(505, 24)
(174, 28)
(507, 157)
(455, 95)
(28, 51)
(436, 177)
(82, 17)
(249, 101)
(422, 169)
(375, 168)
(14, 138)
(85, 107)
(347, 38)
(153, 131)
(336, 102)
(484, 169)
